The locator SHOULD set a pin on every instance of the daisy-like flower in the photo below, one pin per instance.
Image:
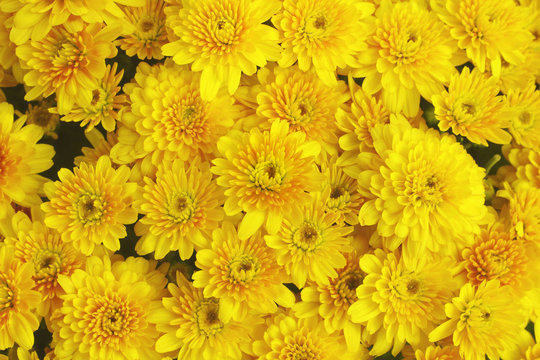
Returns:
(18, 301)
(482, 321)
(105, 104)
(223, 39)
(525, 116)
(471, 108)
(148, 31)
(49, 256)
(488, 30)
(421, 187)
(192, 326)
(409, 55)
(242, 274)
(323, 34)
(43, 116)
(90, 205)
(400, 303)
(290, 338)
(266, 174)
(106, 310)
(332, 301)
(68, 64)
(310, 245)
(181, 208)
(21, 160)
(169, 119)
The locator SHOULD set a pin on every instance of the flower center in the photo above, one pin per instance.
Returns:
(347, 284)
(183, 116)
(307, 237)
(146, 24)
(300, 111)
(524, 120)
(207, 317)
(47, 264)
(90, 208)
(267, 175)
(406, 287)
(225, 32)
(182, 207)
(6, 296)
(243, 269)
(300, 348)
(315, 26)
(423, 189)
(465, 110)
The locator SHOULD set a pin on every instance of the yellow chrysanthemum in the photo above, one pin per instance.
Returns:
(181, 208)
(168, 117)
(472, 108)
(243, 274)
(332, 301)
(105, 104)
(49, 256)
(68, 64)
(422, 189)
(21, 160)
(290, 338)
(192, 326)
(310, 245)
(400, 303)
(409, 55)
(148, 33)
(43, 116)
(18, 301)
(90, 205)
(524, 165)
(223, 39)
(322, 35)
(482, 321)
(266, 174)
(525, 119)
(100, 147)
(106, 310)
(488, 30)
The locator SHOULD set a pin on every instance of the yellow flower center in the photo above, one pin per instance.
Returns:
(207, 317)
(315, 26)
(339, 198)
(300, 111)
(347, 284)
(182, 207)
(464, 110)
(307, 237)
(299, 347)
(225, 31)
(476, 315)
(184, 119)
(90, 208)
(110, 319)
(6, 296)
(47, 264)
(524, 120)
(243, 269)
(406, 287)
(267, 175)
(400, 44)
(423, 189)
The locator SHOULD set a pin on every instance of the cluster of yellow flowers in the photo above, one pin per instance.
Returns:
(300, 179)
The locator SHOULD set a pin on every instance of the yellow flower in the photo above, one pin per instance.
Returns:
(322, 34)
(90, 205)
(43, 116)
(49, 256)
(105, 103)
(488, 30)
(106, 310)
(100, 147)
(181, 207)
(524, 165)
(70, 64)
(438, 353)
(18, 301)
(266, 174)
(310, 245)
(192, 326)
(409, 55)
(400, 302)
(22, 159)
(332, 301)
(423, 189)
(242, 274)
(168, 118)
(472, 108)
(525, 119)
(482, 321)
(148, 31)
(223, 39)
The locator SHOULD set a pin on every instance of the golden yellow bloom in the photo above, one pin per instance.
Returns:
(169, 119)
(482, 321)
(49, 256)
(472, 108)
(105, 103)
(21, 160)
(488, 30)
(192, 326)
(525, 119)
(106, 310)
(423, 189)
(323, 34)
(332, 301)
(68, 64)
(409, 55)
(310, 245)
(100, 147)
(243, 274)
(223, 39)
(400, 302)
(18, 301)
(181, 207)
(148, 32)
(524, 165)
(43, 116)
(90, 205)
(266, 174)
